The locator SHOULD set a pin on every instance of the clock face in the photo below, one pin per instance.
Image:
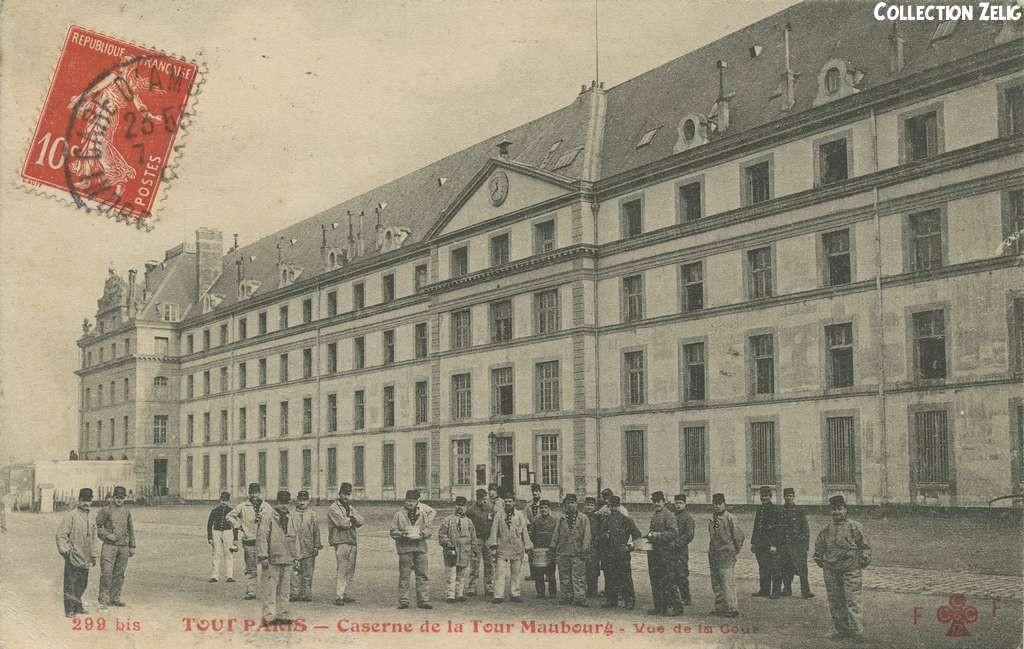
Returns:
(499, 188)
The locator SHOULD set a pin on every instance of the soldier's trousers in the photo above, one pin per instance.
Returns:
(75, 581)
(408, 563)
(302, 580)
(345, 559)
(682, 577)
(662, 570)
(723, 583)
(252, 567)
(844, 600)
(274, 590)
(222, 556)
(473, 575)
(455, 581)
(593, 572)
(113, 563)
(572, 572)
(618, 578)
(487, 557)
(508, 571)
(794, 563)
(768, 572)
(544, 575)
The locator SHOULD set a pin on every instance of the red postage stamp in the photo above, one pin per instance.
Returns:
(106, 132)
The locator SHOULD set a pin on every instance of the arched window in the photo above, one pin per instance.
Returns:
(832, 80)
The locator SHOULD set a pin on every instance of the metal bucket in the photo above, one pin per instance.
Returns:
(539, 557)
(642, 545)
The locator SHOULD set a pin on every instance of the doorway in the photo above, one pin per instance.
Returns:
(159, 477)
(503, 467)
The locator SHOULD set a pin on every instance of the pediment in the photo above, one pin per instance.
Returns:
(501, 187)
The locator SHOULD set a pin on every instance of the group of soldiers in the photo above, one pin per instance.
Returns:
(488, 544)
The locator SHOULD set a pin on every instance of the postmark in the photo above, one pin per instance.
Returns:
(106, 135)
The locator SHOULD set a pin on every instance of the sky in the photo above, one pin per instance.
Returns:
(303, 105)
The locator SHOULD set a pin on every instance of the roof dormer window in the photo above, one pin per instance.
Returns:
(567, 158)
(945, 28)
(648, 137)
(832, 80)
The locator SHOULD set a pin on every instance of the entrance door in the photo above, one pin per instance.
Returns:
(159, 477)
(504, 466)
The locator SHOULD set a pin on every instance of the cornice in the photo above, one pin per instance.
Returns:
(520, 265)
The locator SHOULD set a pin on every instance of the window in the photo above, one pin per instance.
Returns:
(762, 353)
(387, 288)
(359, 353)
(358, 296)
(88, 398)
(836, 248)
(307, 312)
(759, 264)
(389, 347)
(162, 346)
(757, 183)
(224, 336)
(387, 470)
(127, 346)
(833, 163)
(261, 321)
(188, 471)
(307, 467)
(113, 393)
(762, 452)
(283, 422)
(332, 303)
(223, 471)
(695, 372)
(113, 432)
(261, 468)
(243, 423)
(307, 363)
(206, 383)
(162, 386)
(282, 368)
(543, 237)
(102, 353)
(925, 240)
(548, 460)
(1012, 111)
(359, 410)
(840, 457)
(263, 420)
(839, 339)
(632, 298)
(263, 371)
(332, 358)
(462, 397)
(502, 402)
(695, 444)
(170, 313)
(389, 406)
(242, 376)
(282, 470)
(206, 428)
(636, 458)
(461, 463)
(243, 332)
(242, 479)
(631, 216)
(647, 137)
(190, 429)
(332, 412)
(282, 317)
(1017, 336)
(690, 203)
(190, 344)
(332, 467)
(206, 472)
(693, 286)
(832, 80)
(421, 340)
(635, 379)
(920, 136)
(99, 433)
(224, 379)
(307, 415)
(547, 312)
(500, 252)
(99, 394)
(547, 397)
(223, 425)
(159, 429)
(124, 425)
(501, 321)
(944, 29)
(460, 262)
(461, 328)
(1013, 222)
(421, 401)
(931, 442)
(929, 345)
(420, 277)
(88, 359)
(420, 466)
(358, 466)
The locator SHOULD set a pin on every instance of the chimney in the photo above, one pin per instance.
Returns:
(209, 253)
(360, 244)
(379, 228)
(131, 293)
(503, 149)
(722, 103)
(788, 76)
(351, 237)
(897, 59)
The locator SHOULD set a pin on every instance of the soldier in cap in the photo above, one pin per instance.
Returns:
(75, 543)
(308, 545)
(542, 527)
(725, 538)
(114, 527)
(617, 536)
(627, 588)
(663, 534)
(681, 563)
(276, 548)
(481, 514)
(342, 521)
(842, 551)
(571, 543)
(593, 557)
(764, 543)
(410, 528)
(246, 516)
(795, 537)
(456, 535)
(509, 541)
(223, 539)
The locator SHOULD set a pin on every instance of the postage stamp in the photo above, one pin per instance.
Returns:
(106, 133)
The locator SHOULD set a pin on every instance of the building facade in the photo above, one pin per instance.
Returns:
(791, 257)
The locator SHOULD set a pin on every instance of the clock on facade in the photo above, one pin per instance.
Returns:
(499, 188)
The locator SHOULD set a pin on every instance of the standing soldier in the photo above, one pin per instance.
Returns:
(114, 527)
(795, 536)
(276, 548)
(247, 516)
(308, 545)
(482, 515)
(343, 520)
(660, 561)
(687, 527)
(223, 539)
(410, 528)
(725, 538)
(456, 536)
(764, 543)
(593, 557)
(509, 541)
(617, 536)
(541, 530)
(532, 510)
(76, 543)
(571, 543)
(842, 551)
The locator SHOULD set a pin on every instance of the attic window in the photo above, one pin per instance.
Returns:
(441, 181)
(567, 158)
(648, 137)
(944, 29)
(170, 312)
(832, 80)
(551, 153)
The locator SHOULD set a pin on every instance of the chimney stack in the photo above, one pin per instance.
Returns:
(897, 59)
(503, 149)
(360, 244)
(788, 76)
(722, 103)
(209, 253)
(131, 293)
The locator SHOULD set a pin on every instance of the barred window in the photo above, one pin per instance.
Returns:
(695, 376)
(243, 423)
(1017, 338)
(332, 358)
(223, 425)
(332, 303)
(224, 379)
(389, 347)
(836, 246)
(242, 377)
(462, 462)
(460, 262)
(206, 383)
(760, 267)
(332, 412)
(762, 350)
(359, 353)
(261, 469)
(388, 288)
(159, 429)
(206, 472)
(282, 317)
(921, 136)
(282, 469)
(307, 416)
(839, 448)
(263, 371)
(762, 451)
(263, 420)
(547, 312)
(307, 312)
(931, 437)
(389, 406)
(693, 286)
(307, 467)
(190, 388)
(548, 460)
(283, 423)
(500, 251)
(388, 466)
(543, 237)
(307, 363)
(635, 378)
(926, 240)
(420, 461)
(501, 321)
(461, 329)
(358, 466)
(1013, 222)
(283, 368)
(190, 429)
(758, 183)
(243, 329)
(420, 277)
(358, 410)
(421, 402)
(206, 428)
(694, 452)
(261, 322)
(462, 398)
(632, 298)
(502, 400)
(188, 471)
(636, 458)
(421, 340)
(223, 465)
(548, 387)
(358, 296)
(840, 355)
(930, 344)
(332, 467)
(242, 478)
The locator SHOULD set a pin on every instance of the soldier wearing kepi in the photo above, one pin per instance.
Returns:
(663, 535)
(681, 555)
(509, 541)
(764, 543)
(593, 557)
(725, 538)
(410, 528)
(115, 529)
(571, 543)
(276, 541)
(223, 539)
(76, 543)
(794, 537)
(842, 551)
(246, 516)
(542, 564)
(456, 535)
(617, 536)
(341, 533)
(308, 546)
(482, 516)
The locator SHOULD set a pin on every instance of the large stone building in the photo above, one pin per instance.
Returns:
(786, 258)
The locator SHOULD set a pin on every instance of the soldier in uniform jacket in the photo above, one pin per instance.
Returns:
(542, 527)
(594, 560)
(660, 559)
(616, 543)
(764, 543)
(842, 551)
(681, 564)
(795, 537)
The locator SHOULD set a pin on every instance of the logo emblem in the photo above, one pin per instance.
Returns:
(957, 615)
(499, 188)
